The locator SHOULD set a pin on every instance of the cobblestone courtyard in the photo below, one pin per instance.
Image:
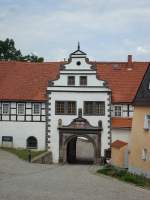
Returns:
(20, 180)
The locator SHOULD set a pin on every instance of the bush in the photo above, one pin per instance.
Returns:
(138, 180)
(124, 175)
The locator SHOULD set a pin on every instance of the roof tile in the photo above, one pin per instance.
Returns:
(118, 144)
(28, 81)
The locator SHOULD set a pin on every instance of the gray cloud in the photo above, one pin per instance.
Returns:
(106, 30)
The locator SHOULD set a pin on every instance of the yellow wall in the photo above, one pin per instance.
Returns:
(139, 139)
(118, 156)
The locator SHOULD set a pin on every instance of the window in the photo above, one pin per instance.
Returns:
(147, 122)
(88, 107)
(100, 108)
(36, 109)
(71, 80)
(144, 154)
(6, 108)
(32, 143)
(21, 108)
(117, 111)
(94, 108)
(65, 107)
(78, 63)
(83, 80)
(71, 107)
(60, 107)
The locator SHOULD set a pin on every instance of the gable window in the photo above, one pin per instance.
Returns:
(21, 108)
(6, 108)
(94, 108)
(65, 107)
(71, 80)
(83, 80)
(147, 122)
(117, 111)
(36, 109)
(144, 154)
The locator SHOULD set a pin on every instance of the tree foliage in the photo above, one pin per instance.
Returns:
(9, 52)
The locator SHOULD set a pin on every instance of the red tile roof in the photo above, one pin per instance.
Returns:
(28, 81)
(118, 122)
(122, 79)
(118, 144)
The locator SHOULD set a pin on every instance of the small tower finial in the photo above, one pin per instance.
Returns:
(78, 45)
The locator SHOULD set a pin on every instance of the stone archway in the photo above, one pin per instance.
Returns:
(71, 146)
(79, 127)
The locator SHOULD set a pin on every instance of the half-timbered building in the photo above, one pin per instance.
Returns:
(49, 105)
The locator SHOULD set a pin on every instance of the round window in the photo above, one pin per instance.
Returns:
(78, 63)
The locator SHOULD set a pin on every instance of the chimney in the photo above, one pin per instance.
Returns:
(129, 59)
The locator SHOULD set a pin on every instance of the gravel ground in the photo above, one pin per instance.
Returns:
(20, 180)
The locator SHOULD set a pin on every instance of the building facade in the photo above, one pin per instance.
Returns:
(49, 105)
(78, 90)
(139, 145)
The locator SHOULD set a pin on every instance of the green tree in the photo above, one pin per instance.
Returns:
(8, 52)
(33, 58)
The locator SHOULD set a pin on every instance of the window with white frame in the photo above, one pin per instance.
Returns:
(21, 108)
(6, 108)
(144, 154)
(117, 111)
(36, 109)
(147, 122)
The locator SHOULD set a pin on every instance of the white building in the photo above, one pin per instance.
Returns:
(78, 90)
(49, 105)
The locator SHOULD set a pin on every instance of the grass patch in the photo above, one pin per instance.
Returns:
(22, 153)
(124, 175)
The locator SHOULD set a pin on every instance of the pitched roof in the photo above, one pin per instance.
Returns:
(118, 122)
(142, 97)
(28, 81)
(124, 80)
(118, 144)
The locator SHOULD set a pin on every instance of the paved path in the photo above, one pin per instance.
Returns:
(23, 181)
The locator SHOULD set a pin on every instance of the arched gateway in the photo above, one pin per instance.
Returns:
(68, 135)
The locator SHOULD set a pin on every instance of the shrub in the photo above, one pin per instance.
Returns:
(124, 175)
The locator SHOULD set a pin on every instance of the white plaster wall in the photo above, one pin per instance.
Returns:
(79, 97)
(121, 134)
(21, 131)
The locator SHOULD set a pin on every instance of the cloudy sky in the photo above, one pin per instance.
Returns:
(107, 29)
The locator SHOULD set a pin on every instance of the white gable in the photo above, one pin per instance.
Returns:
(78, 61)
(78, 65)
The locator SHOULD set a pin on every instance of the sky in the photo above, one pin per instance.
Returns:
(108, 30)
